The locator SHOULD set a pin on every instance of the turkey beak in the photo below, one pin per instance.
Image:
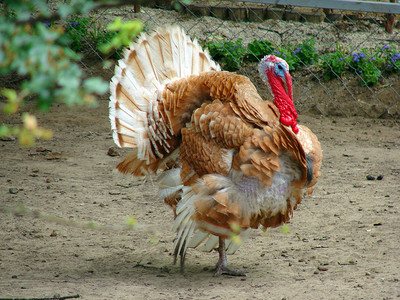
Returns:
(288, 80)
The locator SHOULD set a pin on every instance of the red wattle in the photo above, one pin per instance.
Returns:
(295, 128)
(283, 100)
(288, 113)
(286, 120)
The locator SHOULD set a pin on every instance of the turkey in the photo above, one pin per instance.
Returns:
(227, 161)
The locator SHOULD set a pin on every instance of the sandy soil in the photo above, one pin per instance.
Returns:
(343, 241)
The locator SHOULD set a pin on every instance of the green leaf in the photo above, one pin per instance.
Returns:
(4, 130)
(26, 138)
(236, 239)
(154, 240)
(95, 85)
(236, 228)
(131, 221)
(65, 10)
(115, 25)
(10, 94)
(125, 32)
(285, 229)
(13, 102)
(83, 6)
(92, 225)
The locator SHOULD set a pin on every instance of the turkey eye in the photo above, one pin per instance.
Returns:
(280, 67)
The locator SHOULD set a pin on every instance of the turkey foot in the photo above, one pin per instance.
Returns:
(222, 266)
(224, 270)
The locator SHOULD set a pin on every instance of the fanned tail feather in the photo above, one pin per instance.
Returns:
(136, 92)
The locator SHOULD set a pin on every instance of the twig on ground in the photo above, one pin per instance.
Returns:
(55, 297)
(162, 269)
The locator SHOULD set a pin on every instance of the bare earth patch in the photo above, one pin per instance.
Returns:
(343, 240)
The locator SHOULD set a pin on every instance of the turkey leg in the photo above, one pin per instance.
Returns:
(222, 265)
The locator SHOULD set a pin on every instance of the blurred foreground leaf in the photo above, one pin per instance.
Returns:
(285, 228)
(126, 31)
(37, 54)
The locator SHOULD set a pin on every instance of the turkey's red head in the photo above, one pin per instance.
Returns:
(275, 71)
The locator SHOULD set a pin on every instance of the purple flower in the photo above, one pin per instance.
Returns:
(73, 24)
(359, 72)
(341, 58)
(47, 23)
(373, 58)
(386, 47)
(395, 57)
(389, 65)
(356, 56)
(298, 50)
(277, 53)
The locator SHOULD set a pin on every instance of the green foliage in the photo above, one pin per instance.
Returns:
(28, 132)
(235, 236)
(285, 229)
(35, 47)
(37, 53)
(85, 35)
(121, 33)
(233, 54)
(131, 221)
(77, 32)
(230, 54)
(22, 10)
(391, 59)
(368, 65)
(13, 101)
(286, 53)
(305, 53)
(299, 55)
(258, 49)
(82, 33)
(334, 64)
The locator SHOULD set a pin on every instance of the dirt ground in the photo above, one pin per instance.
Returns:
(343, 241)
